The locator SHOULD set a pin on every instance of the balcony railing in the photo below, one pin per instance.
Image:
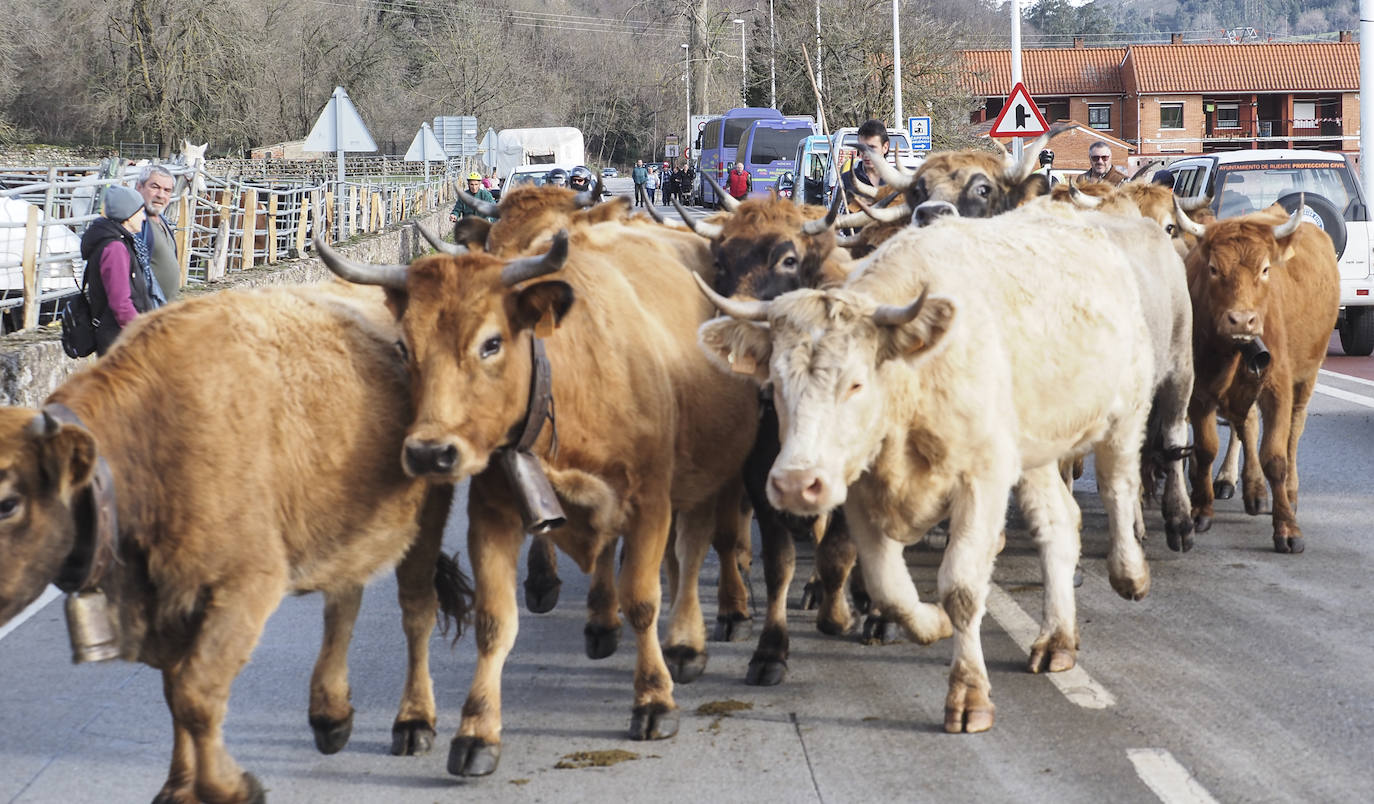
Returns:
(1295, 129)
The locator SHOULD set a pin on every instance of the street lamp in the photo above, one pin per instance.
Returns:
(687, 77)
(743, 65)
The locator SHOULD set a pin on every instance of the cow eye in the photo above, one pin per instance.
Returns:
(1215, 272)
(854, 389)
(1264, 272)
(790, 261)
(490, 346)
(983, 190)
(9, 506)
(1170, 229)
(402, 351)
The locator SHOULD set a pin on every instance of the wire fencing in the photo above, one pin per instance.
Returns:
(253, 213)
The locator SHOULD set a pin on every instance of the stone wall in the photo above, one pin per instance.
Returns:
(32, 363)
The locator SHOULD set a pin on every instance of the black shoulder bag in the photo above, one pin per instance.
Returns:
(78, 323)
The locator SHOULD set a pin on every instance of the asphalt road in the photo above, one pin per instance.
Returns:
(1243, 677)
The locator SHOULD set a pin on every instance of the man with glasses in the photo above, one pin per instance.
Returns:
(1100, 155)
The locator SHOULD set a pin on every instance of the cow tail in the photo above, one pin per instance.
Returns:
(455, 594)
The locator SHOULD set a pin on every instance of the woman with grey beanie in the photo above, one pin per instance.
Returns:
(122, 284)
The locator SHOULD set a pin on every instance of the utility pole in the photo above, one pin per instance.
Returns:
(743, 66)
(772, 60)
(897, 66)
(820, 113)
(1015, 63)
(687, 79)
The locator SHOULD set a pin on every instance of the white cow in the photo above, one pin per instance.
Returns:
(1022, 345)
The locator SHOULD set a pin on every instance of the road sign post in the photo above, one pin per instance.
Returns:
(339, 128)
(918, 131)
(425, 148)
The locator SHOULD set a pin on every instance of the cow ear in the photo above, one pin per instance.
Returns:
(1034, 185)
(542, 306)
(737, 347)
(616, 209)
(922, 333)
(471, 231)
(67, 454)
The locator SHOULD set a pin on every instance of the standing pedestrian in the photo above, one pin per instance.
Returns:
(1100, 157)
(651, 183)
(640, 175)
(739, 182)
(119, 276)
(155, 183)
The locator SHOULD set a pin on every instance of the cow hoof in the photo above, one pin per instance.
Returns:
(1254, 506)
(1202, 524)
(878, 631)
(969, 721)
(1288, 544)
(1077, 575)
(653, 722)
(811, 596)
(411, 738)
(733, 628)
(831, 627)
(765, 672)
(1052, 655)
(685, 664)
(541, 596)
(1179, 534)
(331, 735)
(1130, 588)
(1223, 489)
(601, 640)
(473, 756)
(253, 792)
(180, 795)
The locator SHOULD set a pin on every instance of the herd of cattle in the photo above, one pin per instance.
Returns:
(970, 336)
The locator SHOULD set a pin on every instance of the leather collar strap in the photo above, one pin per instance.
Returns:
(97, 521)
(540, 406)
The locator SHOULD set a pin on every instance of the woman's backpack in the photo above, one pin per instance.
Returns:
(78, 324)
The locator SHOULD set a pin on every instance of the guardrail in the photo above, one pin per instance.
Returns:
(221, 225)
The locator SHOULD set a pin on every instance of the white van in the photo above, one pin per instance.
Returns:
(1245, 181)
(844, 148)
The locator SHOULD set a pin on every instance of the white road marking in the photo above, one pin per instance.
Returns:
(50, 594)
(1166, 778)
(1075, 683)
(1346, 377)
(1358, 399)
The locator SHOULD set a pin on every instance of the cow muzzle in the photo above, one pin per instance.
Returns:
(927, 212)
(1240, 325)
(422, 457)
(802, 491)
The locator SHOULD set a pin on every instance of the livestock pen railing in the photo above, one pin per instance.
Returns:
(222, 224)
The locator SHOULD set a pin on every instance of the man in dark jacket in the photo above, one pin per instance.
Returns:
(475, 189)
(156, 183)
(874, 135)
(118, 274)
(640, 175)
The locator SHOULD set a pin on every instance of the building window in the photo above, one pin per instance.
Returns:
(1100, 117)
(1304, 114)
(1171, 115)
(1228, 115)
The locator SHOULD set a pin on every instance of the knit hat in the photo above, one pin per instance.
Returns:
(122, 203)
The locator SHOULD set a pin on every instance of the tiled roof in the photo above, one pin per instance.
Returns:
(1045, 71)
(1211, 69)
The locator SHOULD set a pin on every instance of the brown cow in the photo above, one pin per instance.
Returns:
(269, 470)
(526, 218)
(1260, 280)
(645, 427)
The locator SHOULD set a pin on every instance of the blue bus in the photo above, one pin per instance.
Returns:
(768, 149)
(718, 141)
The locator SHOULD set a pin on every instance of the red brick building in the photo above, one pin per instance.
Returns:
(1187, 99)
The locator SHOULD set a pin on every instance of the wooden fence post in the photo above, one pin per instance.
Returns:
(352, 211)
(29, 262)
(250, 228)
(377, 220)
(305, 204)
(329, 217)
(271, 227)
(183, 238)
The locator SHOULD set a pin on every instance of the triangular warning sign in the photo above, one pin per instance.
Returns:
(425, 147)
(1020, 117)
(339, 127)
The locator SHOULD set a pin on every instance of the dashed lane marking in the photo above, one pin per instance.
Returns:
(1166, 778)
(1346, 377)
(50, 594)
(1358, 399)
(1075, 683)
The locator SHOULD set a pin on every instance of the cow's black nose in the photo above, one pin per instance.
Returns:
(930, 211)
(430, 457)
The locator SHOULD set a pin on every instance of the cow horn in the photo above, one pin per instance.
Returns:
(893, 315)
(438, 242)
(484, 208)
(884, 214)
(853, 220)
(1081, 199)
(1030, 155)
(726, 200)
(1290, 226)
(818, 225)
(865, 189)
(654, 213)
(735, 308)
(710, 231)
(361, 273)
(587, 198)
(1194, 204)
(517, 271)
(848, 241)
(892, 176)
(1186, 223)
